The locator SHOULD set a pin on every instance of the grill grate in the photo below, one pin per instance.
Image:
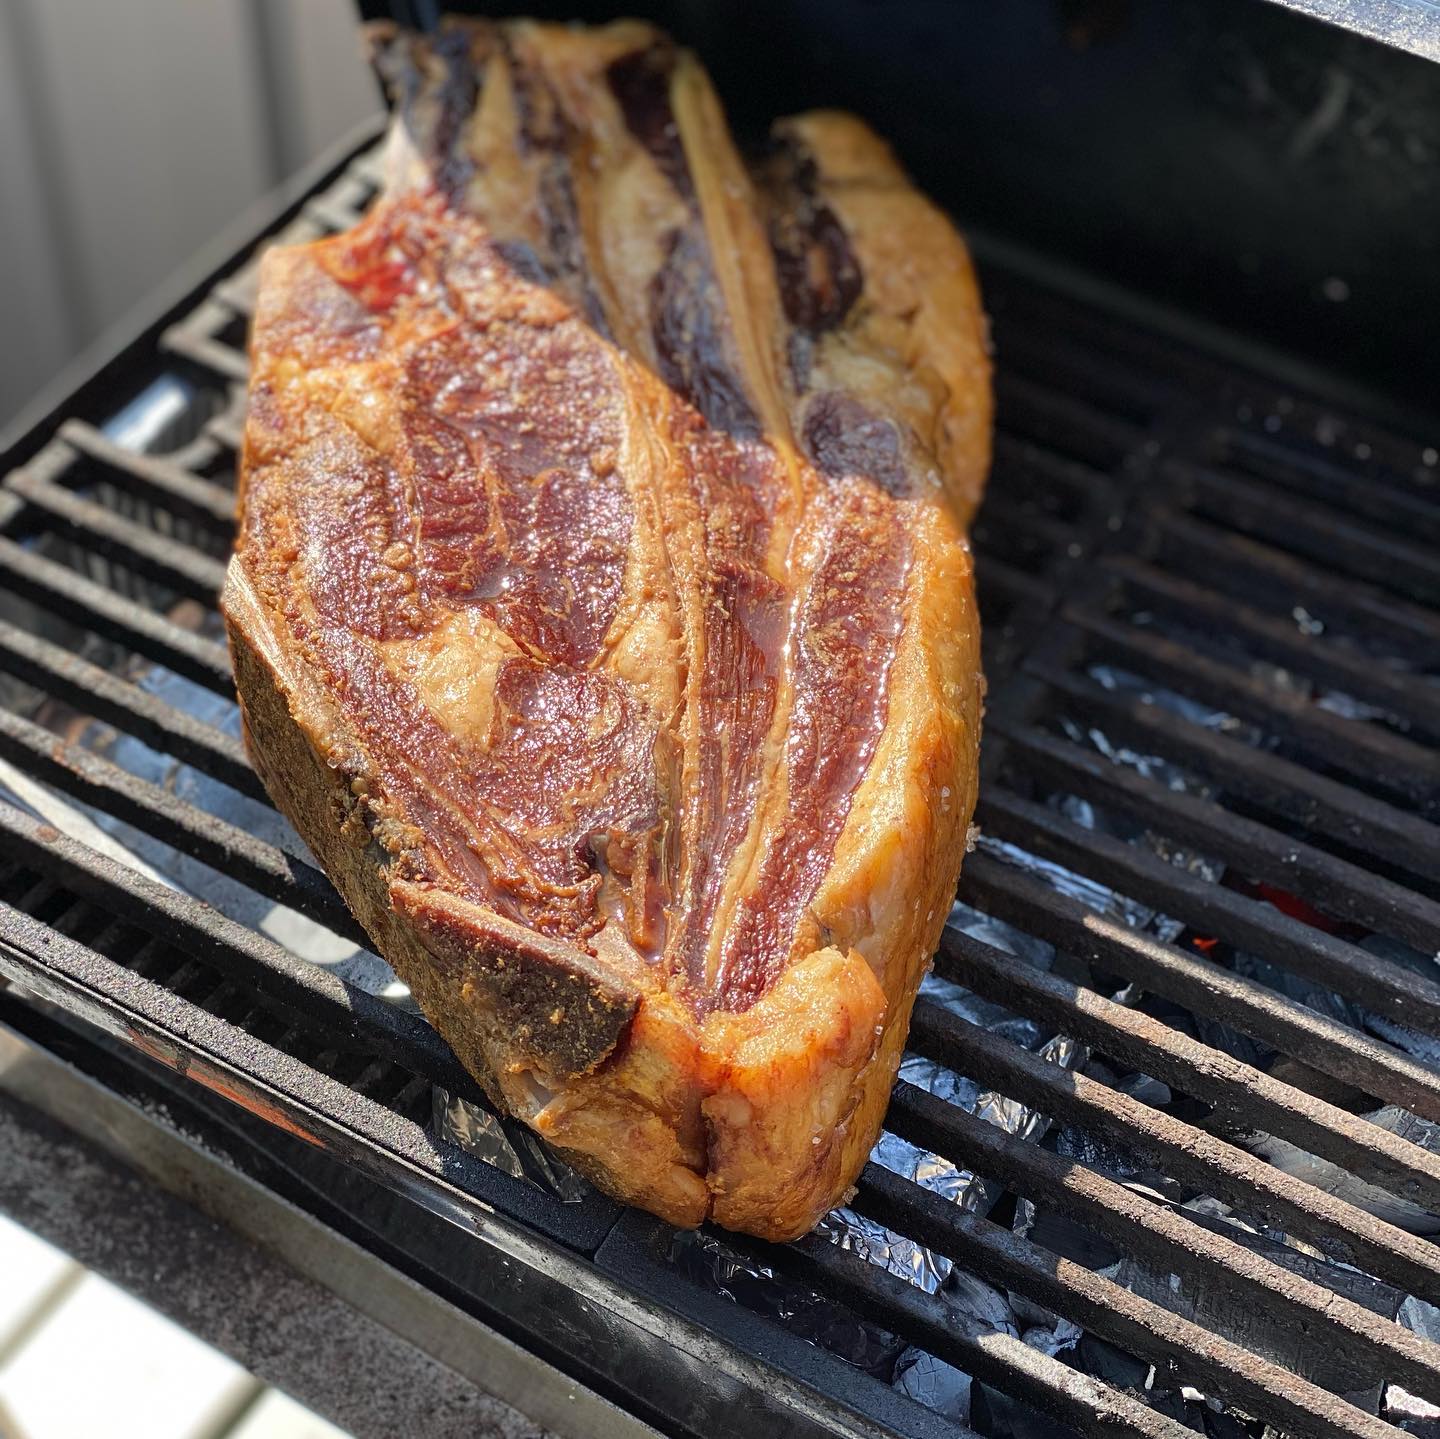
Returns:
(1212, 785)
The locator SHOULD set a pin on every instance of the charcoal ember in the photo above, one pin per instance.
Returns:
(1421, 1318)
(1094, 1152)
(1174, 1404)
(1262, 1056)
(998, 1416)
(1294, 986)
(1030, 1314)
(1218, 1423)
(1203, 1415)
(1229, 1041)
(1146, 1088)
(1104, 1361)
(1067, 1237)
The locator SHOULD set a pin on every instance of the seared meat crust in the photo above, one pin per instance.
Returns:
(601, 609)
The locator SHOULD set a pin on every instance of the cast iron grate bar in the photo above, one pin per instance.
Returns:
(1246, 1097)
(1374, 758)
(1313, 801)
(1409, 698)
(1205, 1161)
(1387, 987)
(1202, 986)
(1339, 888)
(164, 481)
(187, 570)
(1250, 569)
(91, 689)
(225, 847)
(1318, 533)
(1170, 1242)
(1188, 1350)
(72, 596)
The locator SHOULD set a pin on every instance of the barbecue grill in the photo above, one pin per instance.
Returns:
(1163, 1155)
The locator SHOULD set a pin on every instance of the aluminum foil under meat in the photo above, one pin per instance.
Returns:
(505, 1143)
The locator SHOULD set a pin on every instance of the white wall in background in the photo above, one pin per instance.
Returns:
(131, 133)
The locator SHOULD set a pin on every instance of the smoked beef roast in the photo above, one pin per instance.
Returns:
(602, 612)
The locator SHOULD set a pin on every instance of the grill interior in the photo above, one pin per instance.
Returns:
(1209, 838)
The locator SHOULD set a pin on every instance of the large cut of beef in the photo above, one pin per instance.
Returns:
(602, 612)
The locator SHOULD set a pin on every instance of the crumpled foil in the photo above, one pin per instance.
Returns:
(505, 1143)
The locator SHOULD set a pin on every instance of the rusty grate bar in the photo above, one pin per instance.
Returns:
(156, 556)
(1210, 1164)
(1339, 888)
(1386, 987)
(161, 480)
(1238, 1092)
(1375, 758)
(1248, 567)
(74, 597)
(177, 924)
(1319, 533)
(1402, 507)
(1289, 790)
(1202, 986)
(1172, 1243)
(96, 691)
(1408, 697)
(1104, 1307)
(996, 1357)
